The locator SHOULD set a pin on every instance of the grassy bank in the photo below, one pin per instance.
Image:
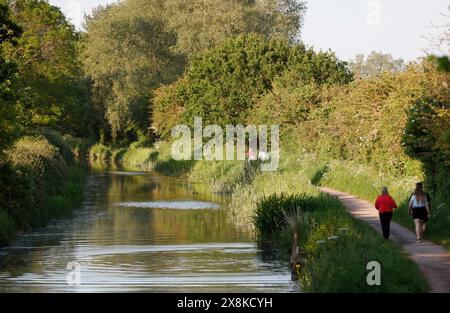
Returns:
(41, 180)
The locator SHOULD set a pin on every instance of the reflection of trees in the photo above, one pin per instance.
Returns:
(152, 226)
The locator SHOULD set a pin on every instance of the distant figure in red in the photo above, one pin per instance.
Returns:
(385, 206)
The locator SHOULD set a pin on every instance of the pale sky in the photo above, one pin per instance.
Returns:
(347, 27)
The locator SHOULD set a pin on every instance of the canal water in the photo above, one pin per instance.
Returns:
(143, 232)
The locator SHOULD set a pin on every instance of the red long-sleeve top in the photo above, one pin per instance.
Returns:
(385, 204)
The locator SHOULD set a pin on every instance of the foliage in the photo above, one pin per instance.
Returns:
(271, 212)
(427, 138)
(222, 84)
(41, 160)
(7, 228)
(58, 141)
(375, 64)
(364, 133)
(100, 152)
(126, 61)
(200, 25)
(52, 91)
(427, 129)
(36, 185)
(9, 32)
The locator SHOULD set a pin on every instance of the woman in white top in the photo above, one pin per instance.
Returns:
(419, 208)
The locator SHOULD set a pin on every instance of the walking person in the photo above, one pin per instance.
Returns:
(420, 186)
(385, 205)
(419, 208)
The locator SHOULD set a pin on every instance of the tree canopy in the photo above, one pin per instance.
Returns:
(223, 84)
(9, 32)
(375, 64)
(132, 47)
(51, 86)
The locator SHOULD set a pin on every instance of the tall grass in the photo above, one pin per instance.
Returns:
(7, 228)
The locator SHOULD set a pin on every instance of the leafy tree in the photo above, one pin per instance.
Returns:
(126, 56)
(132, 47)
(375, 64)
(427, 138)
(9, 32)
(442, 62)
(52, 90)
(223, 84)
(201, 24)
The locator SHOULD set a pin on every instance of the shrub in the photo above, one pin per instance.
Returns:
(100, 152)
(55, 139)
(271, 211)
(59, 205)
(37, 156)
(36, 185)
(168, 107)
(222, 84)
(79, 147)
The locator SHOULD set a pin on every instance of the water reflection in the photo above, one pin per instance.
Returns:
(141, 231)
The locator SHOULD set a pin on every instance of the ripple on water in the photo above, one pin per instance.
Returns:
(176, 205)
(128, 173)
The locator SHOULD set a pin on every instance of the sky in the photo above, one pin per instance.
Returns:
(348, 27)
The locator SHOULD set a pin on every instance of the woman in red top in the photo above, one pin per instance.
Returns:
(385, 205)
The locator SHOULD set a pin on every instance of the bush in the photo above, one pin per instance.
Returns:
(79, 147)
(100, 152)
(222, 84)
(41, 160)
(270, 214)
(389, 130)
(36, 185)
(55, 139)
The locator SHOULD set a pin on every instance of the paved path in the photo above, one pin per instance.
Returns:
(432, 259)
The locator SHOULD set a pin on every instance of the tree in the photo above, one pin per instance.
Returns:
(223, 84)
(163, 34)
(201, 24)
(375, 64)
(52, 90)
(126, 56)
(9, 32)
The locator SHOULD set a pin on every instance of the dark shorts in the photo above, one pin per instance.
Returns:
(421, 214)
